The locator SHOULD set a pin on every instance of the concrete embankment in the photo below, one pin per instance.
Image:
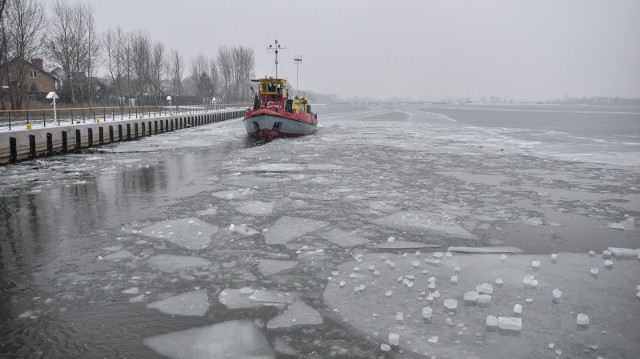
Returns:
(48, 141)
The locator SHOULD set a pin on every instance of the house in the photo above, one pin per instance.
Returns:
(37, 80)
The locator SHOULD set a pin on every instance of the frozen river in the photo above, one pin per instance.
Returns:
(201, 243)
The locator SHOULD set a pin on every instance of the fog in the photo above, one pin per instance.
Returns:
(524, 50)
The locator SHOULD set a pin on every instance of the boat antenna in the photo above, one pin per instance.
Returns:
(298, 60)
(276, 47)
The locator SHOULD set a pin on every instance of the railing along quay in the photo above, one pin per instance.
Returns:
(29, 138)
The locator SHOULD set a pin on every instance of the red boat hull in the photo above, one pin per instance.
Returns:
(267, 123)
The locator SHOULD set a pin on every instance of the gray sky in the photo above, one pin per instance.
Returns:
(528, 49)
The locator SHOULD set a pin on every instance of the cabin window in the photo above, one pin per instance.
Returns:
(272, 87)
(33, 74)
(264, 87)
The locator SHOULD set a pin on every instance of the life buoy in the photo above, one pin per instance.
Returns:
(269, 104)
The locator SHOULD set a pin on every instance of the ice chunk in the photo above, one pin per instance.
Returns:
(608, 264)
(533, 221)
(415, 263)
(451, 304)
(282, 347)
(343, 238)
(510, 324)
(437, 255)
(133, 290)
(405, 245)
(485, 288)
(137, 299)
(557, 294)
(619, 226)
(385, 347)
(394, 339)
(194, 303)
(517, 309)
(256, 208)
(427, 313)
(233, 339)
(288, 228)
(595, 272)
(606, 254)
(118, 255)
(242, 230)
(592, 254)
(425, 221)
(172, 263)
(484, 300)
(624, 253)
(470, 298)
(554, 258)
(492, 323)
(527, 281)
(462, 249)
(297, 314)
(433, 339)
(433, 262)
(399, 317)
(272, 266)
(189, 233)
(454, 279)
(535, 265)
(499, 282)
(582, 320)
(232, 194)
(503, 258)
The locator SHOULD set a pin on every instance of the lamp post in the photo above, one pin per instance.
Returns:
(298, 61)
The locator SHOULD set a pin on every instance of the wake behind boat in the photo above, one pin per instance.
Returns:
(274, 114)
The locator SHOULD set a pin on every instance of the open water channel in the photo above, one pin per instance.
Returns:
(201, 243)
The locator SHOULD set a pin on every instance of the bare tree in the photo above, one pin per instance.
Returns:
(140, 59)
(113, 45)
(22, 28)
(243, 65)
(225, 66)
(157, 68)
(200, 76)
(213, 75)
(92, 45)
(176, 69)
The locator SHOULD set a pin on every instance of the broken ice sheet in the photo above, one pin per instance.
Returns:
(189, 233)
(122, 254)
(551, 321)
(256, 209)
(297, 314)
(194, 303)
(172, 263)
(288, 228)
(249, 298)
(272, 266)
(233, 339)
(435, 223)
(405, 245)
(462, 249)
(343, 238)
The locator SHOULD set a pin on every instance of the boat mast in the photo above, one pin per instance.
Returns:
(276, 48)
(298, 60)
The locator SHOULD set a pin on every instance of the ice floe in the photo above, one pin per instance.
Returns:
(288, 228)
(239, 339)
(172, 263)
(296, 314)
(256, 209)
(122, 254)
(189, 233)
(249, 298)
(343, 238)
(243, 230)
(194, 303)
(272, 266)
(434, 223)
(405, 245)
(461, 249)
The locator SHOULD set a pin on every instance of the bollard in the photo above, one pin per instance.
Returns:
(119, 133)
(89, 137)
(32, 147)
(135, 130)
(143, 132)
(171, 125)
(100, 136)
(13, 149)
(49, 144)
(65, 146)
(166, 125)
(155, 125)
(78, 141)
(149, 124)
(110, 134)
(128, 131)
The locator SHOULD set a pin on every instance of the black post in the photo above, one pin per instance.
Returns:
(135, 130)
(155, 125)
(49, 144)
(110, 134)
(128, 131)
(78, 141)
(13, 149)
(144, 127)
(32, 146)
(119, 133)
(89, 137)
(100, 136)
(65, 147)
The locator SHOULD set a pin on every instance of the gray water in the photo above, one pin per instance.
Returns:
(542, 179)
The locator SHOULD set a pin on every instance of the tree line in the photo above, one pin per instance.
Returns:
(132, 64)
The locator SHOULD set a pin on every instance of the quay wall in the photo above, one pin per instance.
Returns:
(24, 145)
